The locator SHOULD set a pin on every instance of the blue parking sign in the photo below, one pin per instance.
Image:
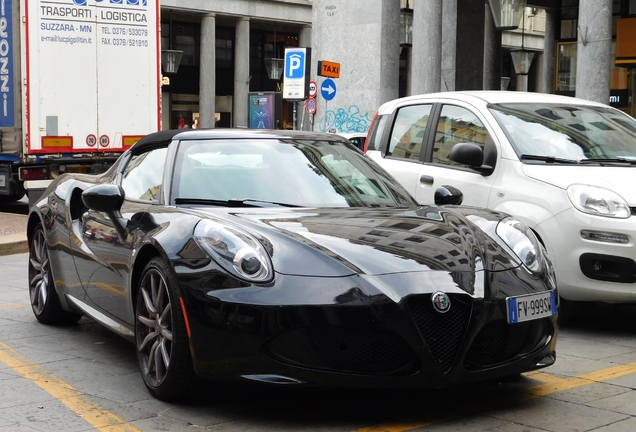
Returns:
(294, 64)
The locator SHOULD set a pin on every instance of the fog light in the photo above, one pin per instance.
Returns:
(597, 266)
(605, 237)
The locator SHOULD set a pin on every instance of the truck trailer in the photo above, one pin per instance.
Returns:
(80, 82)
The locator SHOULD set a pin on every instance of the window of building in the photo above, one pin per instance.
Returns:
(185, 39)
(224, 47)
(566, 68)
(569, 19)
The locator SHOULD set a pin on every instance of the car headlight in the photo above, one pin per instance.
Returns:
(235, 250)
(598, 201)
(522, 241)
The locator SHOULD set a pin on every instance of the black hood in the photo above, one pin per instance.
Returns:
(337, 242)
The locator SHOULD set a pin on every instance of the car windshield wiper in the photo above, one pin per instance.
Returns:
(246, 202)
(608, 161)
(547, 159)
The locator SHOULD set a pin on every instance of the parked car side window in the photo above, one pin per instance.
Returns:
(456, 125)
(374, 135)
(143, 175)
(408, 132)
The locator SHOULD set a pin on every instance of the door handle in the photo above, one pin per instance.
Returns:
(426, 180)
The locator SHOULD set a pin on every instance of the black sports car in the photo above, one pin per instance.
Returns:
(288, 258)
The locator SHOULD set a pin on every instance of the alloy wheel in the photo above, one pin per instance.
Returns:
(154, 335)
(39, 273)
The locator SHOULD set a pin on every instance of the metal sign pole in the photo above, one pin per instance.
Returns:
(324, 128)
(302, 119)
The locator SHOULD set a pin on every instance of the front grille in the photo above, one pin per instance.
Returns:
(442, 332)
(344, 349)
(360, 350)
(498, 342)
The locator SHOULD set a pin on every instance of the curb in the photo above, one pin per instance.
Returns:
(13, 244)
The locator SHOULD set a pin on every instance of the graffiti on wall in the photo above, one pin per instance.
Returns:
(345, 120)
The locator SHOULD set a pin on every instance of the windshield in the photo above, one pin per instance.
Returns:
(293, 173)
(572, 132)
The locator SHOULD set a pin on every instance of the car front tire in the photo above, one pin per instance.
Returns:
(44, 300)
(161, 336)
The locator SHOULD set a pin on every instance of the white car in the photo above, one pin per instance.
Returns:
(356, 138)
(566, 167)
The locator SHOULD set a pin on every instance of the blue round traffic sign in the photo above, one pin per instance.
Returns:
(328, 89)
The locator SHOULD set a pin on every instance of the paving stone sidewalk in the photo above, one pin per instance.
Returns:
(12, 233)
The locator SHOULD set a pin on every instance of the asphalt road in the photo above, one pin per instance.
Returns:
(84, 378)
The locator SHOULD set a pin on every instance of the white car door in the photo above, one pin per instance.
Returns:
(456, 124)
(402, 159)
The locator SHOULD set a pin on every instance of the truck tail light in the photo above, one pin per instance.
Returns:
(34, 173)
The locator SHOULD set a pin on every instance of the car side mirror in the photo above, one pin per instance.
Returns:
(104, 197)
(107, 198)
(448, 195)
(470, 154)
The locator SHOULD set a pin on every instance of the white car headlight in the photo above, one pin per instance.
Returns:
(598, 201)
(235, 250)
(522, 241)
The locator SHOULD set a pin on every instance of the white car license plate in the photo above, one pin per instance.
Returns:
(531, 307)
(3, 180)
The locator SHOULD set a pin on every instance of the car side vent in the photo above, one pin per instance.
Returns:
(442, 333)
(77, 207)
(499, 342)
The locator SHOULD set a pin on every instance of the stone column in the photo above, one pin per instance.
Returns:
(241, 72)
(304, 37)
(390, 51)
(522, 83)
(492, 53)
(593, 50)
(427, 47)
(449, 45)
(207, 72)
(547, 61)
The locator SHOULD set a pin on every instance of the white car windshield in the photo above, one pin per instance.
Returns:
(570, 132)
(282, 172)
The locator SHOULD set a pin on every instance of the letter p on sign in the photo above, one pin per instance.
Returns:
(294, 64)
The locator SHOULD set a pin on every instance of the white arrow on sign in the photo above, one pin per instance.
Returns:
(328, 89)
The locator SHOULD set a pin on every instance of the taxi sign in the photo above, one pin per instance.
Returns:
(329, 69)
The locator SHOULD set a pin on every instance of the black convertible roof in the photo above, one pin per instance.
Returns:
(166, 136)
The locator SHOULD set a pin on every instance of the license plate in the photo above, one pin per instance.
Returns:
(3, 180)
(77, 169)
(531, 307)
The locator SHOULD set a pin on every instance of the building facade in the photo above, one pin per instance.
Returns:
(224, 44)
(386, 49)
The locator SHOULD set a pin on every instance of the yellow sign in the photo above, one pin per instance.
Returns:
(57, 141)
(129, 140)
